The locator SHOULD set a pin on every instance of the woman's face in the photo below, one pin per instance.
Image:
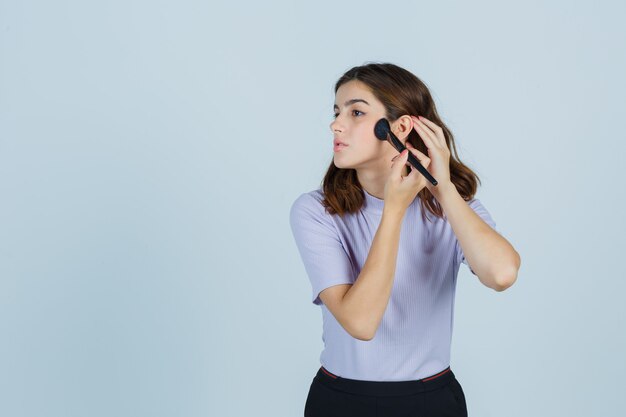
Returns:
(356, 112)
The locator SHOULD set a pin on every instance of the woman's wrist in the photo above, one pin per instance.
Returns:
(443, 189)
(393, 213)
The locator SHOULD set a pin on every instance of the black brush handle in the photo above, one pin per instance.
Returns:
(412, 159)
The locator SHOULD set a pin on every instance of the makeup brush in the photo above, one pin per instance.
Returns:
(382, 130)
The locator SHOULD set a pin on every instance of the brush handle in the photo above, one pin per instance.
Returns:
(416, 163)
(412, 159)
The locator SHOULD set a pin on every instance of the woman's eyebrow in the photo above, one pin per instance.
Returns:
(352, 101)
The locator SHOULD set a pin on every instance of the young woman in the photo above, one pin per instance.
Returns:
(382, 248)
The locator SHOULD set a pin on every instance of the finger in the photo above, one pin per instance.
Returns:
(425, 134)
(420, 155)
(420, 124)
(435, 128)
(423, 159)
(398, 163)
(415, 172)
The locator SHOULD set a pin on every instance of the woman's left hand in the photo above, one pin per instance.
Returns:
(438, 152)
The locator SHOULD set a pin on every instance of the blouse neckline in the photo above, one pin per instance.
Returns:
(373, 204)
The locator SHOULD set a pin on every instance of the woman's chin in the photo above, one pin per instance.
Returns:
(341, 164)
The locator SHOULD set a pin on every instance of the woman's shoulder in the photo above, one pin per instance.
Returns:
(313, 197)
(309, 202)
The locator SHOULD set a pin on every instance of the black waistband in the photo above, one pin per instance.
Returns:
(384, 388)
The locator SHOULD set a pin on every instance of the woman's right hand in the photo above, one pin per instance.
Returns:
(401, 191)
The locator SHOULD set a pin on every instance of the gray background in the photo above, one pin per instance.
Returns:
(150, 152)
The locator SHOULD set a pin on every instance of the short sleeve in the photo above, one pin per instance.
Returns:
(478, 207)
(325, 259)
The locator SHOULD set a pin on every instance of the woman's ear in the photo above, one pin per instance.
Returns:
(402, 127)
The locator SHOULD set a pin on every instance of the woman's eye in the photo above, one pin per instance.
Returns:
(337, 114)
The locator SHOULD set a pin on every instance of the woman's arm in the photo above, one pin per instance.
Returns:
(367, 300)
(490, 255)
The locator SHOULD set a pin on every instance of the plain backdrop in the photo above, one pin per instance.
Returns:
(150, 153)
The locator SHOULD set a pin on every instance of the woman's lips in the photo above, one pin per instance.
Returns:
(339, 147)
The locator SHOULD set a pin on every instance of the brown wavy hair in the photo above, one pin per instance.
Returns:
(401, 93)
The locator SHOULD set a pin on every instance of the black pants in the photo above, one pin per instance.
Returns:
(435, 396)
